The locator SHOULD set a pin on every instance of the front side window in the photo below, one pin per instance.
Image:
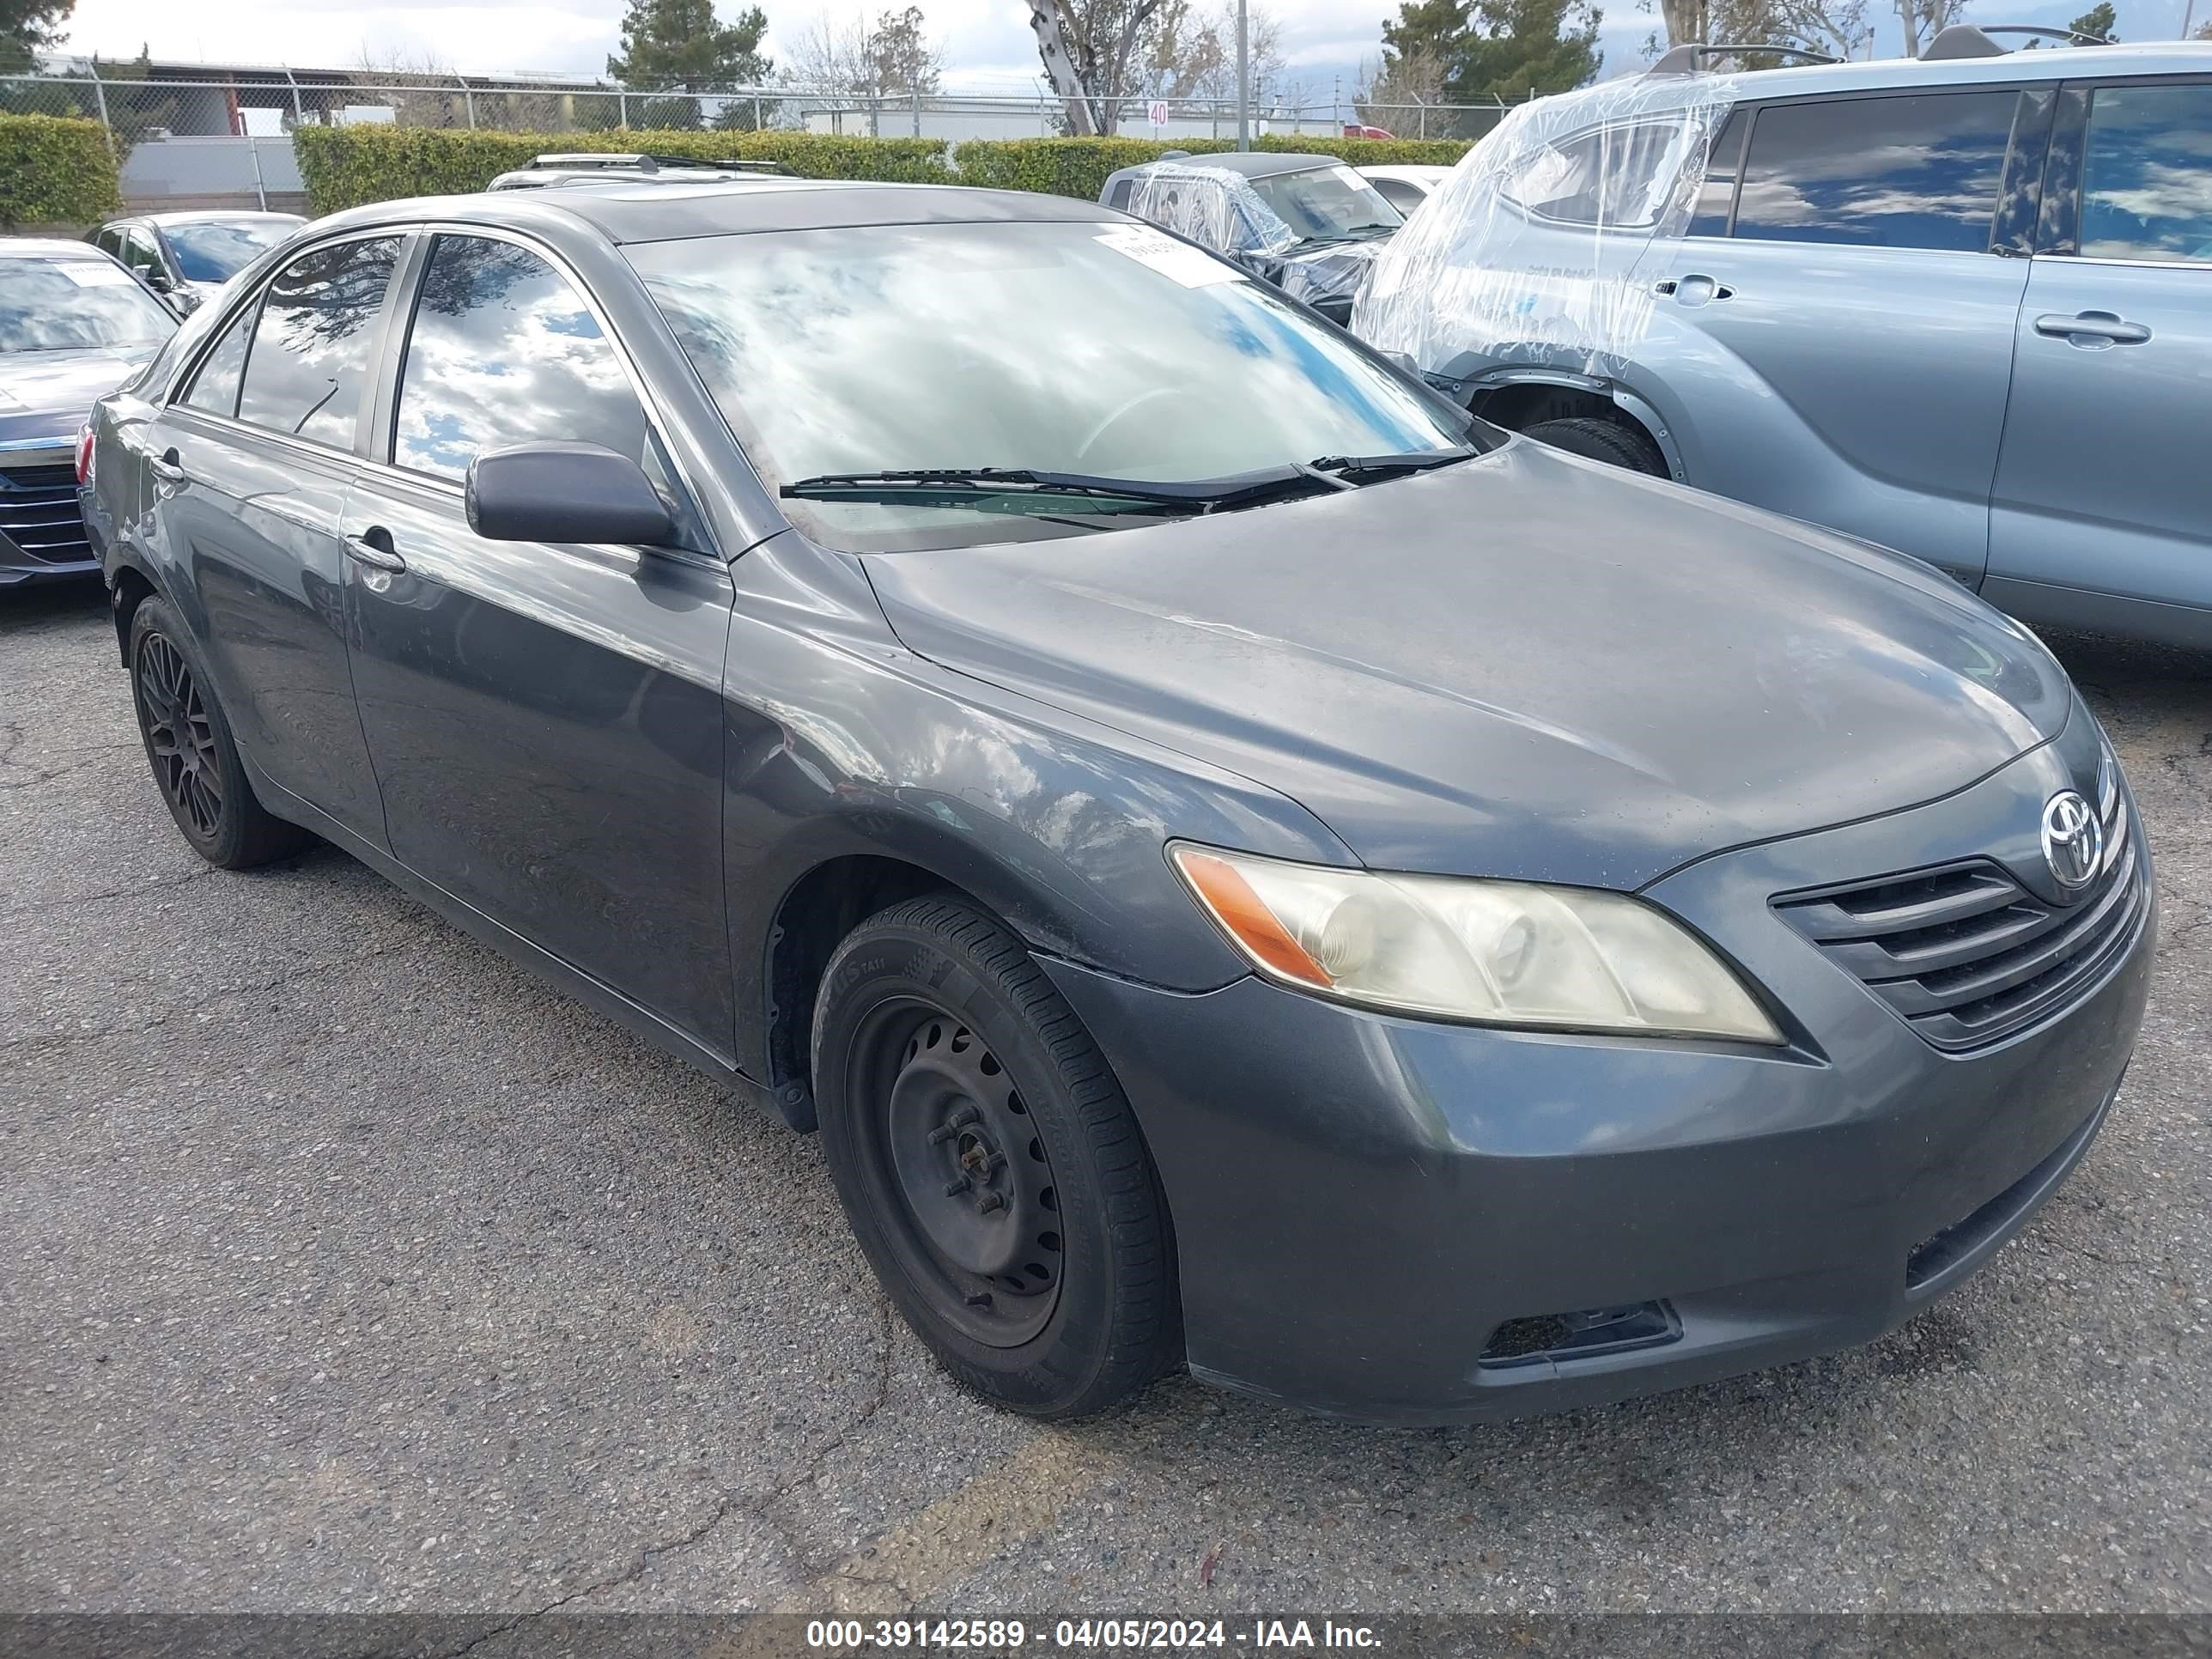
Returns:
(1917, 172)
(2147, 174)
(85, 304)
(1611, 175)
(1099, 349)
(503, 350)
(139, 252)
(311, 362)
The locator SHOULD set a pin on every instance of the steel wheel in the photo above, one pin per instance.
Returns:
(179, 736)
(947, 1130)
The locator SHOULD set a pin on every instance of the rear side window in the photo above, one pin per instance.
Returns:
(504, 350)
(310, 365)
(1918, 172)
(215, 387)
(2147, 174)
(1119, 196)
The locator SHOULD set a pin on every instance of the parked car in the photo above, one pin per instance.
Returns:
(597, 167)
(1960, 306)
(73, 324)
(1406, 185)
(1307, 223)
(1235, 856)
(184, 258)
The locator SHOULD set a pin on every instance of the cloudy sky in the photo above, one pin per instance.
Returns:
(987, 43)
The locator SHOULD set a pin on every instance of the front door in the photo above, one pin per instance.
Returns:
(2101, 487)
(250, 468)
(545, 718)
(1837, 331)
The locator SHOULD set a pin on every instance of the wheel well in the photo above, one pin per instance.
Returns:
(1517, 408)
(825, 905)
(131, 590)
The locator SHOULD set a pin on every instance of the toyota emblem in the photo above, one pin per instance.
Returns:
(2072, 841)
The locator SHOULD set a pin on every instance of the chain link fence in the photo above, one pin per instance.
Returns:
(270, 103)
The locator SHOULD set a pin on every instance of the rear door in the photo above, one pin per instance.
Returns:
(2101, 486)
(545, 718)
(1834, 337)
(251, 466)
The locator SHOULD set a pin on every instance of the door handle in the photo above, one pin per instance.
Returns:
(165, 467)
(1695, 289)
(2092, 326)
(373, 547)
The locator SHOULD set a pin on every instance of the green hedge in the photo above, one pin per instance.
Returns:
(54, 170)
(346, 167)
(1080, 166)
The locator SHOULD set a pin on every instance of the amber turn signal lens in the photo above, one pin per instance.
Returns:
(1239, 908)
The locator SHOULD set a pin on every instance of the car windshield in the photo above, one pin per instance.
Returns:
(77, 304)
(1323, 204)
(217, 250)
(1108, 350)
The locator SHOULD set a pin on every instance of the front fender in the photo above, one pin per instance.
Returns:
(840, 743)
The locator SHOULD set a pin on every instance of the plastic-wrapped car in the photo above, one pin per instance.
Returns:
(1955, 304)
(1307, 223)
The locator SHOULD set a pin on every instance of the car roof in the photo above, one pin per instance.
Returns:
(215, 216)
(1254, 163)
(668, 211)
(2064, 64)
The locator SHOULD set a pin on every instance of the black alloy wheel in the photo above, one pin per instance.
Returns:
(189, 747)
(179, 736)
(990, 1164)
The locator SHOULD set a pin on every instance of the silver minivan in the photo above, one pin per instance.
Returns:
(1960, 306)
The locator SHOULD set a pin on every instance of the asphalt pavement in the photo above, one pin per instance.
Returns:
(347, 1268)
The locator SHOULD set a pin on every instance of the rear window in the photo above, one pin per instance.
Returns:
(1916, 172)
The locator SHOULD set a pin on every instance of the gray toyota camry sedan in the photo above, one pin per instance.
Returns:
(1242, 866)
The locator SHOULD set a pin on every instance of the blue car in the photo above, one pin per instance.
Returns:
(1959, 306)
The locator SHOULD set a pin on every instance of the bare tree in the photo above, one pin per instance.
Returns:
(1839, 28)
(1388, 85)
(1924, 20)
(431, 95)
(867, 59)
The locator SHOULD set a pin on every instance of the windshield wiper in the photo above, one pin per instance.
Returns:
(1374, 468)
(959, 482)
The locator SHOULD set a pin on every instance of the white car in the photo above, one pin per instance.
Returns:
(1404, 187)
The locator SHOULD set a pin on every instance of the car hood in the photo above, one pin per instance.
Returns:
(1524, 665)
(46, 393)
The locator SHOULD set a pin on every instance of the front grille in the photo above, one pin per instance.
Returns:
(38, 513)
(1964, 952)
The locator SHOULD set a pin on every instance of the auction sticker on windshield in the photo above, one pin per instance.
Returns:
(1185, 263)
(90, 274)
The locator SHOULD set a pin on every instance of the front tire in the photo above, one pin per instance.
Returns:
(990, 1164)
(189, 745)
(1601, 441)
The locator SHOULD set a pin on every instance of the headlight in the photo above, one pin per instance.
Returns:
(1507, 952)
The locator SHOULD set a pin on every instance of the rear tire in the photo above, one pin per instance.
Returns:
(1601, 441)
(990, 1166)
(189, 745)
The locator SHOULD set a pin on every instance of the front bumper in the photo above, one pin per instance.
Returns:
(1361, 1202)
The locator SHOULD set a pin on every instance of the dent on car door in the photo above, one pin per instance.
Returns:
(545, 718)
(1836, 327)
(250, 468)
(2100, 495)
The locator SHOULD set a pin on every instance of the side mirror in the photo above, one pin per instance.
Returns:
(1405, 361)
(159, 280)
(560, 492)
